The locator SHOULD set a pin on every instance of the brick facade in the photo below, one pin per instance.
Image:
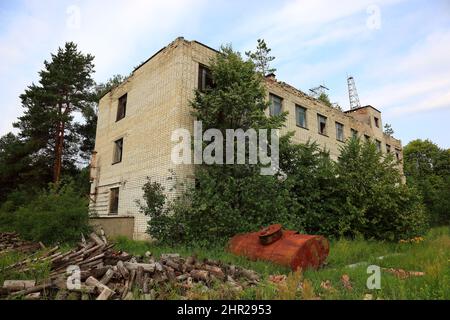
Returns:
(158, 95)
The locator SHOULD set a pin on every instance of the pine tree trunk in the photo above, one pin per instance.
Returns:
(58, 152)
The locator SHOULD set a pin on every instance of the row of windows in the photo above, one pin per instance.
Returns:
(276, 108)
(301, 118)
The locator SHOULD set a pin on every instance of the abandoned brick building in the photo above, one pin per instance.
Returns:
(137, 118)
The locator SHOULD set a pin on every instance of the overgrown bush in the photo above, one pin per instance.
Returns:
(57, 215)
(374, 202)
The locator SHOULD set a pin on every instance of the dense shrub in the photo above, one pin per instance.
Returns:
(57, 215)
(374, 202)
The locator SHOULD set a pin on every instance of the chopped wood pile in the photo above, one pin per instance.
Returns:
(94, 270)
(10, 241)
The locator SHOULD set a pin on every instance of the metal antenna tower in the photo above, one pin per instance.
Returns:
(317, 91)
(353, 94)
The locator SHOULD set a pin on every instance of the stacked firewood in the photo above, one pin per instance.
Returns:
(10, 241)
(94, 270)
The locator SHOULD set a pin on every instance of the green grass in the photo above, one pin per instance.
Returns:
(431, 256)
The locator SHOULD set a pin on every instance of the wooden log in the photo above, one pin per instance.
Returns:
(17, 285)
(173, 265)
(105, 294)
(148, 267)
(91, 281)
(145, 284)
(168, 256)
(103, 236)
(122, 270)
(249, 274)
(34, 289)
(107, 277)
(200, 275)
(33, 296)
(96, 239)
(140, 277)
(215, 271)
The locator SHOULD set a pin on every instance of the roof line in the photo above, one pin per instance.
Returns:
(368, 106)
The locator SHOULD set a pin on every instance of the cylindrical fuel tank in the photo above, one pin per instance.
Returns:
(283, 247)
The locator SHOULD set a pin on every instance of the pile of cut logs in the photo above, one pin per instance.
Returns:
(10, 241)
(94, 270)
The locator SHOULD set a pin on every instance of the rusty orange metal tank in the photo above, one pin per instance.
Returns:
(283, 247)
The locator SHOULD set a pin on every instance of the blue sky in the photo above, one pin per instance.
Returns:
(397, 50)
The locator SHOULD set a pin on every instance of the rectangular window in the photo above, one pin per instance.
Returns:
(354, 133)
(118, 151)
(322, 124)
(367, 138)
(300, 116)
(378, 143)
(397, 154)
(388, 148)
(122, 107)
(114, 201)
(377, 122)
(276, 104)
(205, 80)
(339, 131)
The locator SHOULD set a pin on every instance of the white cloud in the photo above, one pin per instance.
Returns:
(416, 81)
(115, 31)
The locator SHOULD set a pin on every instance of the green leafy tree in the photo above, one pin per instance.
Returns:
(376, 204)
(65, 87)
(262, 58)
(427, 167)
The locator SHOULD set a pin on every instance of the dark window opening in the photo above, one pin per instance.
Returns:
(339, 131)
(122, 107)
(276, 105)
(114, 201)
(322, 124)
(205, 80)
(377, 122)
(354, 133)
(378, 143)
(388, 148)
(118, 151)
(367, 138)
(397, 154)
(300, 115)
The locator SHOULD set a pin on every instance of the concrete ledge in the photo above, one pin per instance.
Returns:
(114, 225)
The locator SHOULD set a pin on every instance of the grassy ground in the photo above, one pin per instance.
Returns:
(431, 256)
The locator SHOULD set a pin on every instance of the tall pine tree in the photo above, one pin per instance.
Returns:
(65, 87)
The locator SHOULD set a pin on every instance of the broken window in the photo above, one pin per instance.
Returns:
(377, 122)
(300, 115)
(205, 80)
(121, 107)
(354, 133)
(322, 124)
(388, 148)
(118, 150)
(397, 154)
(275, 105)
(378, 143)
(114, 201)
(339, 131)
